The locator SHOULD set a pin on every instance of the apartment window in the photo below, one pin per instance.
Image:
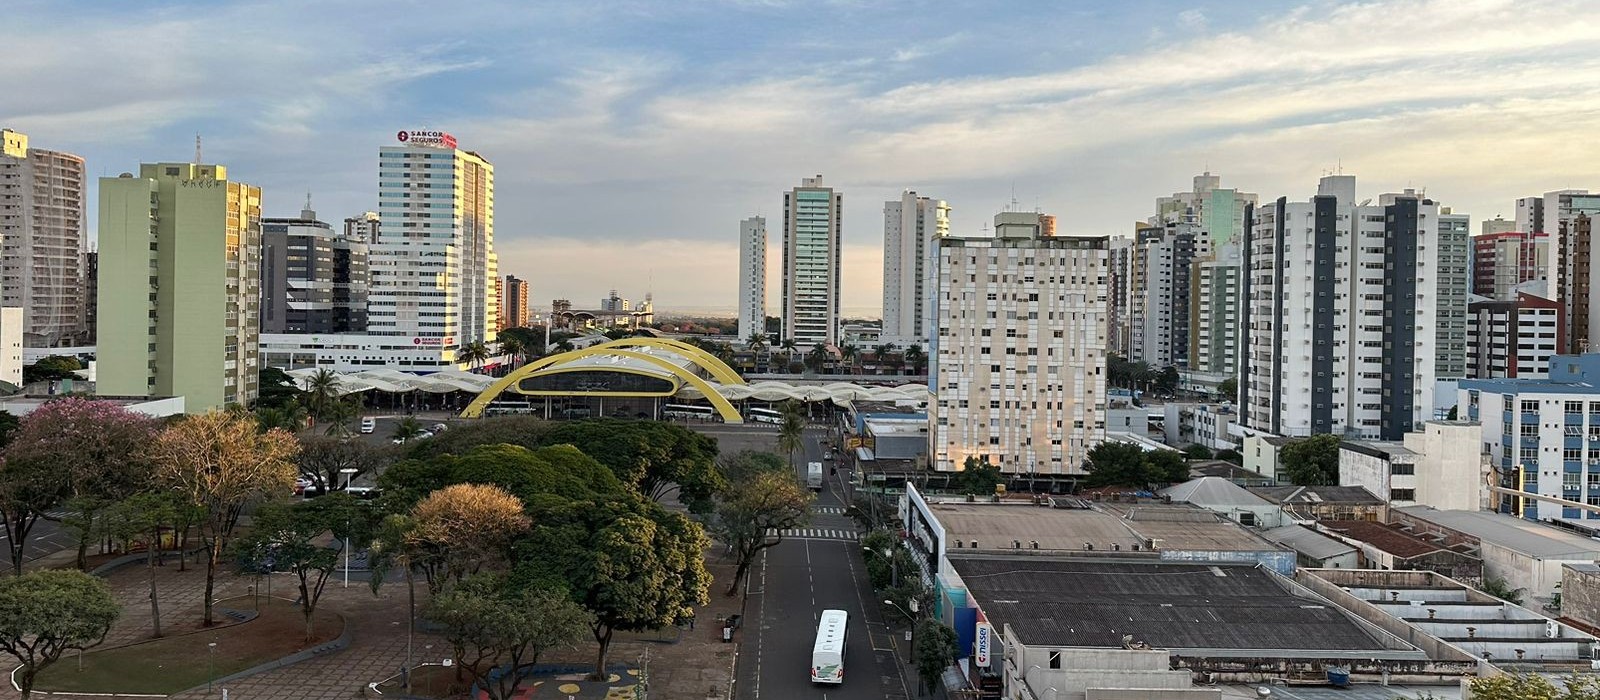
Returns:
(1055, 659)
(1572, 454)
(1574, 408)
(1571, 481)
(1402, 469)
(1530, 406)
(1530, 455)
(1403, 495)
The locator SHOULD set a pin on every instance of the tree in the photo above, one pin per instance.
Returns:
(323, 459)
(97, 449)
(532, 340)
(221, 464)
(977, 477)
(752, 514)
(1197, 452)
(1499, 588)
(1165, 467)
(849, 354)
(791, 432)
(1312, 461)
(1228, 389)
(818, 358)
(8, 427)
(512, 348)
(651, 458)
(144, 515)
(320, 392)
(407, 429)
(1167, 379)
(917, 358)
(757, 341)
(290, 416)
(292, 538)
(277, 388)
(52, 368)
(1118, 370)
(935, 650)
(43, 614)
(491, 625)
(474, 354)
(460, 529)
(1124, 464)
(1532, 686)
(1230, 456)
(338, 416)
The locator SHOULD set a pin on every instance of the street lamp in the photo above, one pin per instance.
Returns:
(894, 567)
(211, 664)
(348, 472)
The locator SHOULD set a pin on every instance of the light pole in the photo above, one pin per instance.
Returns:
(348, 472)
(211, 664)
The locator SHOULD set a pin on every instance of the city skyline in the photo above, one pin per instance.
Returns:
(625, 108)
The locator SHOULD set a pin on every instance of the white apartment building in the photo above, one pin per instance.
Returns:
(1018, 368)
(1342, 313)
(1452, 265)
(1217, 212)
(42, 227)
(11, 345)
(1214, 314)
(753, 277)
(363, 228)
(910, 227)
(1159, 287)
(1543, 435)
(1438, 466)
(1512, 339)
(813, 216)
(433, 266)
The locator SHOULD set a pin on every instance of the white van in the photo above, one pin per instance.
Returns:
(368, 425)
(827, 655)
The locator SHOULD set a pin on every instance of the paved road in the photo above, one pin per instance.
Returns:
(789, 588)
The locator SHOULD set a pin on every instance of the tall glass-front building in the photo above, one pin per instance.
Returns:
(812, 224)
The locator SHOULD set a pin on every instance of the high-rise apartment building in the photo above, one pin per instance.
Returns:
(1217, 212)
(813, 216)
(1018, 367)
(1452, 266)
(434, 265)
(1542, 435)
(179, 285)
(1513, 338)
(42, 240)
(91, 296)
(362, 228)
(514, 312)
(1119, 266)
(1341, 313)
(1214, 313)
(1497, 225)
(1544, 214)
(313, 280)
(1579, 283)
(1160, 268)
(1503, 261)
(911, 226)
(753, 277)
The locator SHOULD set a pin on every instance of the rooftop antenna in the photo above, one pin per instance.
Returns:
(197, 148)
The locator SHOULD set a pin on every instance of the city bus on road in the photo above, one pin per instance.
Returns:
(827, 655)
(814, 476)
(673, 410)
(764, 415)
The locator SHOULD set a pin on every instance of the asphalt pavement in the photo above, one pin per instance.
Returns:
(818, 569)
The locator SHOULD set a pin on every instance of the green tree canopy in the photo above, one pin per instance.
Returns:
(935, 650)
(752, 513)
(1532, 686)
(50, 369)
(977, 477)
(1126, 464)
(1228, 389)
(1197, 452)
(304, 539)
(557, 471)
(1312, 461)
(490, 624)
(43, 614)
(648, 456)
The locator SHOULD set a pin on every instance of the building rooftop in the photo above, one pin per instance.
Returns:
(1569, 374)
(1166, 605)
(1527, 537)
(1314, 495)
(1389, 538)
(1393, 451)
(1307, 541)
(1213, 491)
(994, 526)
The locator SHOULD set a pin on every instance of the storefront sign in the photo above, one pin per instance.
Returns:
(437, 139)
(981, 644)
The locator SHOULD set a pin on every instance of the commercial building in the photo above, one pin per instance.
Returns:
(1227, 499)
(1542, 435)
(1503, 261)
(813, 222)
(753, 278)
(1214, 314)
(179, 285)
(1544, 214)
(1496, 225)
(1119, 265)
(433, 265)
(911, 226)
(1394, 547)
(1314, 549)
(1217, 212)
(312, 279)
(1525, 554)
(42, 226)
(1437, 466)
(514, 311)
(1019, 353)
(1326, 502)
(1159, 290)
(1515, 338)
(1348, 329)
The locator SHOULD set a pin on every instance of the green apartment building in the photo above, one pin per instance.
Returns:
(179, 295)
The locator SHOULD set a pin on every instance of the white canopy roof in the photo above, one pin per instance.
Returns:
(395, 381)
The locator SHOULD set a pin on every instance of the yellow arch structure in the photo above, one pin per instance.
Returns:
(707, 361)
(724, 407)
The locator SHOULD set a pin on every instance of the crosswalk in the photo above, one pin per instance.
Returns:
(818, 533)
(827, 510)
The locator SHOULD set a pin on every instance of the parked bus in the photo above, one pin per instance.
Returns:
(673, 410)
(827, 655)
(764, 415)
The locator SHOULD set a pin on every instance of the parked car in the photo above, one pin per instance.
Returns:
(368, 425)
(438, 428)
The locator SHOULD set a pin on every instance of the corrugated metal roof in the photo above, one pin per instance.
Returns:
(1527, 537)
(1308, 542)
(1213, 491)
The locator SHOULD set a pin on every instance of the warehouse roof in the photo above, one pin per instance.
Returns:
(1516, 534)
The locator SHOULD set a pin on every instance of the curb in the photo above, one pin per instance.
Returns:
(336, 644)
(135, 558)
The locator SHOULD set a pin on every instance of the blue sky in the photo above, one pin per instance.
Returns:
(630, 137)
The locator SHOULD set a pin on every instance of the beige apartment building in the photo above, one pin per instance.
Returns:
(1018, 368)
(44, 240)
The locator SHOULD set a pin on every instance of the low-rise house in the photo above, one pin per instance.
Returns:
(1224, 497)
(1314, 503)
(1314, 549)
(1391, 547)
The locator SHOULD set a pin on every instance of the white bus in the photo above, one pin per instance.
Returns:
(674, 410)
(764, 415)
(827, 655)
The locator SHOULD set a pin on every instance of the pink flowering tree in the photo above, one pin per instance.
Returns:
(76, 454)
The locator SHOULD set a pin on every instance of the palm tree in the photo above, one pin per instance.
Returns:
(291, 417)
(789, 346)
(474, 354)
(791, 431)
(849, 353)
(818, 357)
(564, 346)
(513, 348)
(917, 358)
(339, 414)
(757, 341)
(408, 428)
(321, 393)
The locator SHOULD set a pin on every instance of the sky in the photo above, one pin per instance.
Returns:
(630, 137)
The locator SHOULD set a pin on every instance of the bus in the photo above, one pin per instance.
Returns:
(674, 410)
(827, 655)
(764, 415)
(814, 476)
